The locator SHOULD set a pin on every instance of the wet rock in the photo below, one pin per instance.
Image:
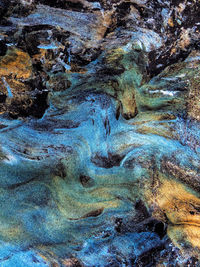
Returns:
(3, 48)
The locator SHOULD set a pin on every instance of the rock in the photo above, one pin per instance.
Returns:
(99, 124)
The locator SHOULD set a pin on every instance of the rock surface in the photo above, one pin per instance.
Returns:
(99, 126)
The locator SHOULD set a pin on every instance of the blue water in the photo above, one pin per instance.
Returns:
(10, 95)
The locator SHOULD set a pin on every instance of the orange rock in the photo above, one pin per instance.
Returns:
(15, 70)
(16, 64)
(170, 22)
(71, 262)
(185, 39)
(178, 203)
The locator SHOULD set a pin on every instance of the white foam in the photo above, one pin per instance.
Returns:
(48, 46)
(10, 159)
(164, 92)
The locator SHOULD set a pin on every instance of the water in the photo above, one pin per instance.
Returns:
(10, 95)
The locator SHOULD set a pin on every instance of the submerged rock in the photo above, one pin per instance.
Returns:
(99, 147)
